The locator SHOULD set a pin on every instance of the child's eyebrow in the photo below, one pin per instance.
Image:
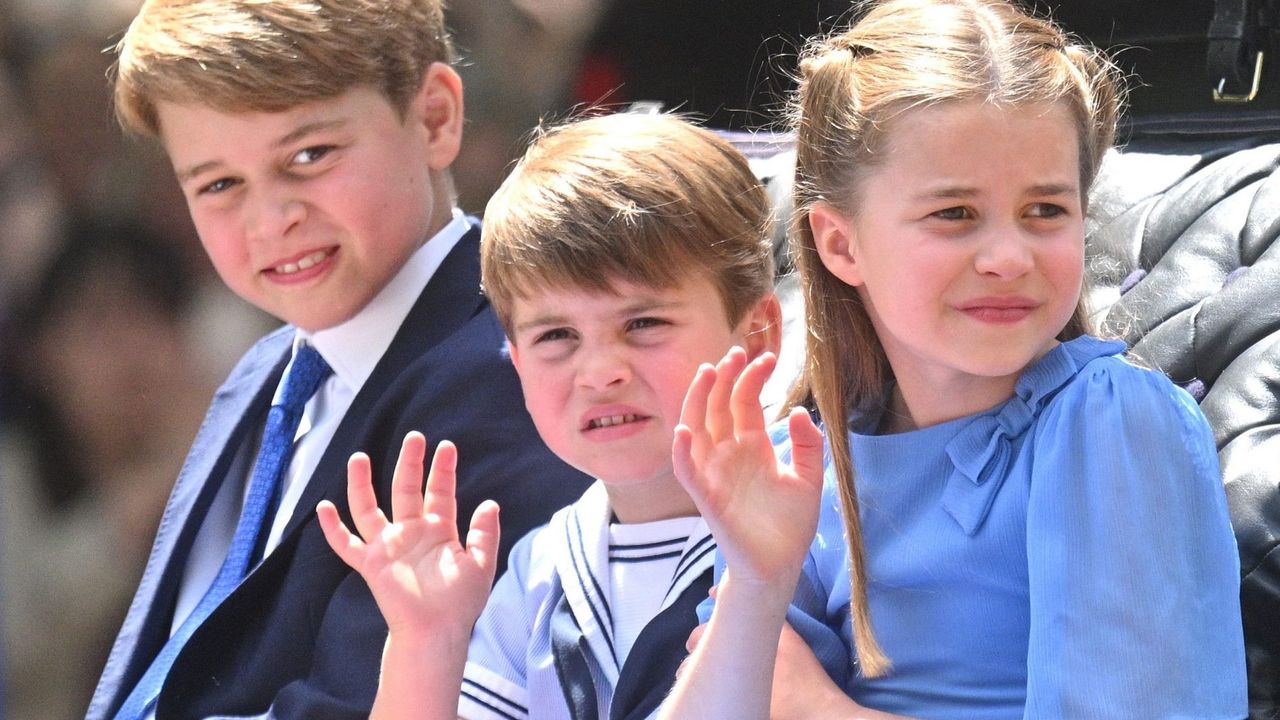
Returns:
(947, 193)
(541, 321)
(640, 306)
(1054, 189)
(185, 175)
(965, 193)
(289, 138)
(308, 128)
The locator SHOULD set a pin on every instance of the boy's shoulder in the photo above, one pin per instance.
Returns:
(536, 555)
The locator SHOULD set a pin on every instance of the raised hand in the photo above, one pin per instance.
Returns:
(423, 578)
(762, 512)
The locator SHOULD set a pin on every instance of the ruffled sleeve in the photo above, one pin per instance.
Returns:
(1133, 570)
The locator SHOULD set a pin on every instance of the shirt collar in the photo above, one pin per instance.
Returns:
(354, 347)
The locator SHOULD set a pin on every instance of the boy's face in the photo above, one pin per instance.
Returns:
(605, 375)
(309, 212)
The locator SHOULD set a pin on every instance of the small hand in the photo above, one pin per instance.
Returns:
(422, 577)
(762, 512)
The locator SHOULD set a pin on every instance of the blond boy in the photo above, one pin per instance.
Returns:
(622, 254)
(313, 141)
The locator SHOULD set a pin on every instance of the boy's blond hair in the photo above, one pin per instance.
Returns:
(272, 55)
(646, 199)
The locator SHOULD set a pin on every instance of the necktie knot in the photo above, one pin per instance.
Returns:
(305, 375)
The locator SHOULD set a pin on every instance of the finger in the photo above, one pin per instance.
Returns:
(483, 537)
(695, 637)
(348, 547)
(442, 484)
(693, 411)
(406, 484)
(719, 414)
(368, 519)
(806, 447)
(748, 415)
(683, 466)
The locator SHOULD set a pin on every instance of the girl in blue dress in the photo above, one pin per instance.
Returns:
(1012, 519)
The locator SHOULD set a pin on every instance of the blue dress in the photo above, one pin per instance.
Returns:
(1066, 554)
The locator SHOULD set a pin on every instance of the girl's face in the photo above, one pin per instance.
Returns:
(966, 245)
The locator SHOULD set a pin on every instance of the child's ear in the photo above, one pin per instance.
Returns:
(762, 327)
(438, 109)
(835, 240)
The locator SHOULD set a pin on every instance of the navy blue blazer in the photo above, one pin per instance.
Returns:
(302, 637)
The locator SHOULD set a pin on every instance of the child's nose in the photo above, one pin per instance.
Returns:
(1005, 253)
(601, 368)
(272, 215)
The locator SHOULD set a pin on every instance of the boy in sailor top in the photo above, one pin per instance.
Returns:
(621, 254)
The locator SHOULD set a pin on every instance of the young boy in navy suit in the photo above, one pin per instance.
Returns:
(313, 140)
(621, 254)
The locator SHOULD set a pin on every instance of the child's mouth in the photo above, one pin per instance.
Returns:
(303, 263)
(611, 420)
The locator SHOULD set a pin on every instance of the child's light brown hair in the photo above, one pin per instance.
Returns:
(647, 199)
(272, 55)
(907, 54)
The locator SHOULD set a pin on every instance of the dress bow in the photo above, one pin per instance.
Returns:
(981, 453)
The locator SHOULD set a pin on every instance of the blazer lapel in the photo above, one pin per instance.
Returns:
(229, 419)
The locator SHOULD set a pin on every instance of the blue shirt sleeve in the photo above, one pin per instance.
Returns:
(1133, 569)
(495, 682)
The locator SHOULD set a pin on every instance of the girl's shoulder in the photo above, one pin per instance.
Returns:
(1099, 383)
(1110, 406)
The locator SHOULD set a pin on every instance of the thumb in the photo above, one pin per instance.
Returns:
(806, 447)
(483, 537)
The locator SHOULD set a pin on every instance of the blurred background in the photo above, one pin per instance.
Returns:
(114, 330)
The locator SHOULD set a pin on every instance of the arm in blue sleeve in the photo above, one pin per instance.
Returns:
(1134, 577)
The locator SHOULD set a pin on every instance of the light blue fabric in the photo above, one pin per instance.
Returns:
(1066, 554)
(510, 672)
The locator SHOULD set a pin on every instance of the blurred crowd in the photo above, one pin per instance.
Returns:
(114, 331)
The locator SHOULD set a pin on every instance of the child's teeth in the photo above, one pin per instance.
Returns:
(302, 264)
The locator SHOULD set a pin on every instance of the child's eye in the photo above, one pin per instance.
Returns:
(217, 186)
(553, 335)
(953, 213)
(311, 155)
(643, 323)
(1047, 210)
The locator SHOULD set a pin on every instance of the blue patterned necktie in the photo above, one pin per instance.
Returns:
(301, 381)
